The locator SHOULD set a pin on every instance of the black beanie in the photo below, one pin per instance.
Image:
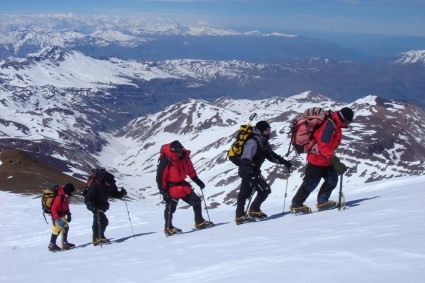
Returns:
(346, 114)
(69, 188)
(176, 146)
(262, 126)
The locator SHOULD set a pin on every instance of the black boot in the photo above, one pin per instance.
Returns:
(52, 246)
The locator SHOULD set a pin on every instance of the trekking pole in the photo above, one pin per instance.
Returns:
(131, 224)
(290, 144)
(206, 208)
(286, 193)
(99, 228)
(249, 202)
(62, 239)
(341, 196)
(292, 127)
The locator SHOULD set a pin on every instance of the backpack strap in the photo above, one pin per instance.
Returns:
(314, 145)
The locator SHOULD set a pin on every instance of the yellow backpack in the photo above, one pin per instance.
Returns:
(49, 195)
(235, 151)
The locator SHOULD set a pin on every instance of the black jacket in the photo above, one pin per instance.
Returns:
(98, 194)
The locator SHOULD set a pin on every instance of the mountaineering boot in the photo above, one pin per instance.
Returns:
(172, 231)
(300, 210)
(68, 246)
(327, 205)
(101, 241)
(203, 225)
(257, 215)
(53, 247)
(243, 219)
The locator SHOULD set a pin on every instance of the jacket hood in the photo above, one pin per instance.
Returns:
(174, 155)
(337, 119)
(259, 136)
(61, 191)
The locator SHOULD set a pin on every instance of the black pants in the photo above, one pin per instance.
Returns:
(263, 190)
(101, 223)
(192, 200)
(312, 178)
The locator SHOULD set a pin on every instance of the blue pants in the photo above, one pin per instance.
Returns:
(312, 178)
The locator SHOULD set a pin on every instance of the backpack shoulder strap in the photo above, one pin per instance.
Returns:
(328, 119)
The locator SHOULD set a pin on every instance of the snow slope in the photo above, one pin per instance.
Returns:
(379, 238)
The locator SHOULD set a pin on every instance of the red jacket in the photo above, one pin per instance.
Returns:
(328, 137)
(60, 205)
(175, 170)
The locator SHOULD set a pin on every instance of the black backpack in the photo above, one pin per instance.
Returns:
(93, 177)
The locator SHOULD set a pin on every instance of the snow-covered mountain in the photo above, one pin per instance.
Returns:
(378, 145)
(122, 36)
(412, 56)
(100, 31)
(157, 84)
(72, 69)
(379, 238)
(61, 102)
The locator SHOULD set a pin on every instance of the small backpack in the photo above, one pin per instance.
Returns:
(93, 177)
(245, 132)
(304, 126)
(48, 197)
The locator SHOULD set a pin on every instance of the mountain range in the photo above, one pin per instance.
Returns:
(265, 64)
(74, 110)
(161, 83)
(76, 130)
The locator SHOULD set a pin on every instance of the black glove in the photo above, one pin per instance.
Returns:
(198, 181)
(165, 195)
(68, 217)
(339, 167)
(123, 192)
(285, 162)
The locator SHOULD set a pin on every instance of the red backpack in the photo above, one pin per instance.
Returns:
(304, 126)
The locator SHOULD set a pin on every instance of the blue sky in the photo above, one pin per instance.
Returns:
(387, 17)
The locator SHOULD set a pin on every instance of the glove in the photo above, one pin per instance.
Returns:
(165, 195)
(68, 217)
(60, 223)
(198, 181)
(339, 167)
(123, 192)
(285, 162)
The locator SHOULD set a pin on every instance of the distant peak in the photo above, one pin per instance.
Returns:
(310, 96)
(412, 56)
(54, 53)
